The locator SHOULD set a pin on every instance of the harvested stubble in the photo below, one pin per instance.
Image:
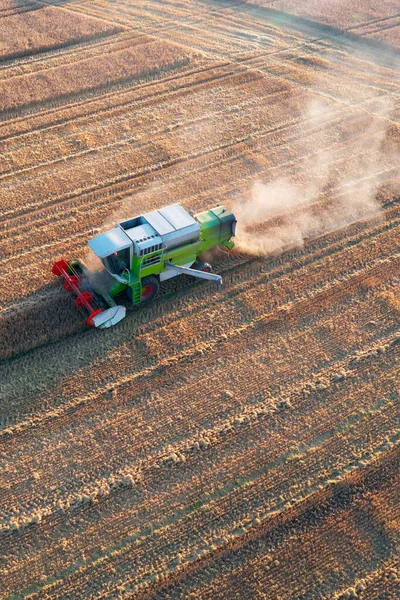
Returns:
(139, 63)
(216, 443)
(46, 28)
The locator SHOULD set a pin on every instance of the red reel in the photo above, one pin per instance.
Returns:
(60, 267)
(71, 282)
(84, 299)
(93, 314)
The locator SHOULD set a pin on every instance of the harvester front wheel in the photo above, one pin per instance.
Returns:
(150, 287)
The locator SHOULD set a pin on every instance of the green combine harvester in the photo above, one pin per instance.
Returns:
(140, 253)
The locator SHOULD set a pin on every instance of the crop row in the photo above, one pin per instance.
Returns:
(123, 407)
(47, 27)
(129, 403)
(342, 533)
(221, 514)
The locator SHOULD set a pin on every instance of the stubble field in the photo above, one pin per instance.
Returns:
(231, 443)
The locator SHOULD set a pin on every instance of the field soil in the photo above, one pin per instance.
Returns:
(239, 442)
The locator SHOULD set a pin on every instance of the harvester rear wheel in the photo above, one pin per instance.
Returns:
(203, 266)
(150, 287)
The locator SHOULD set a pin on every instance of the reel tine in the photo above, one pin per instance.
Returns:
(75, 279)
(85, 284)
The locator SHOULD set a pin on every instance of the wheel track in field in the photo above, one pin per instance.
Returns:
(375, 22)
(153, 368)
(184, 17)
(68, 98)
(54, 57)
(9, 12)
(257, 63)
(133, 100)
(153, 96)
(153, 135)
(336, 117)
(119, 184)
(266, 67)
(75, 53)
(126, 179)
(293, 26)
(71, 9)
(214, 521)
(24, 62)
(159, 33)
(313, 32)
(300, 26)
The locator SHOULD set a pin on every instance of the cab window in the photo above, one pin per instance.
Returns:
(118, 261)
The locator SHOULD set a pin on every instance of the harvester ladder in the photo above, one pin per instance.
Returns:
(136, 292)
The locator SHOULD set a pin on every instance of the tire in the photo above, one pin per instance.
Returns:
(150, 287)
(203, 266)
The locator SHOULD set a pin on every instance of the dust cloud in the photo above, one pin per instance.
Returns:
(331, 191)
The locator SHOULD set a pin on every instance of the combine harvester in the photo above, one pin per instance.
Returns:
(140, 253)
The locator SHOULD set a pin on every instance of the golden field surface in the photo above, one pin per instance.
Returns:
(232, 443)
(375, 19)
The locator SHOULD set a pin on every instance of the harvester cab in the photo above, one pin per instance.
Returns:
(141, 252)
